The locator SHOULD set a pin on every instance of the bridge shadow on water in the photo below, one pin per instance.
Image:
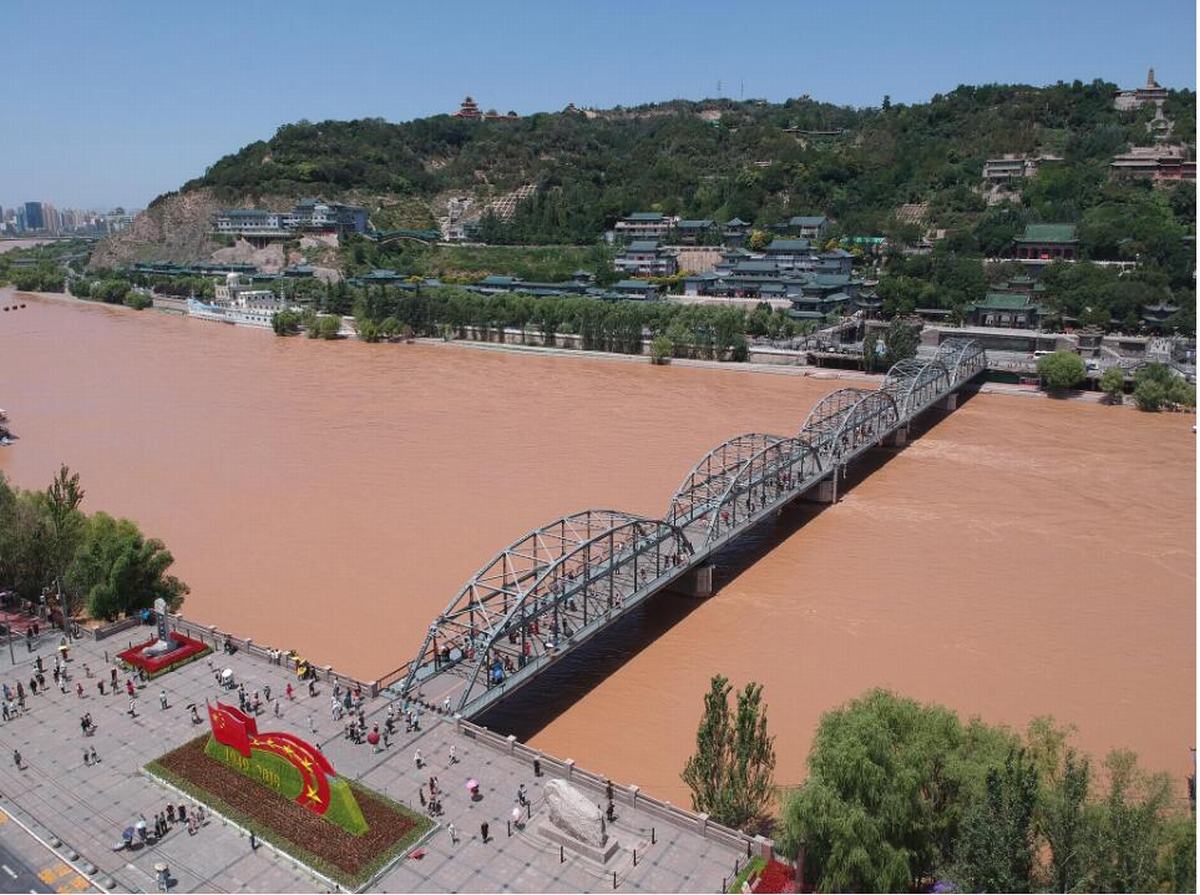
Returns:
(538, 704)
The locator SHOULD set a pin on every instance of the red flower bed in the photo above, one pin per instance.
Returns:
(776, 877)
(352, 860)
(189, 649)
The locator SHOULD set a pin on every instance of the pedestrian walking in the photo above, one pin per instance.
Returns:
(17, 760)
(162, 700)
(453, 754)
(278, 709)
(289, 692)
(132, 708)
(267, 692)
(453, 831)
(418, 760)
(483, 831)
(95, 758)
(87, 671)
(100, 685)
(79, 689)
(312, 726)
(87, 758)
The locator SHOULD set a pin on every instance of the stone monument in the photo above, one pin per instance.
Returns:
(576, 823)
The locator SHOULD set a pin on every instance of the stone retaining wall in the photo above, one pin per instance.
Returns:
(216, 639)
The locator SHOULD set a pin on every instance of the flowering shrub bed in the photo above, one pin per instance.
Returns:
(190, 650)
(350, 860)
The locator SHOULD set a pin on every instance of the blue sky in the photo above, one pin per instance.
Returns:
(112, 103)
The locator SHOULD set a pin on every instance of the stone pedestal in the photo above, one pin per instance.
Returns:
(600, 854)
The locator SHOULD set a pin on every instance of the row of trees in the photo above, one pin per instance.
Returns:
(102, 564)
(619, 326)
(901, 795)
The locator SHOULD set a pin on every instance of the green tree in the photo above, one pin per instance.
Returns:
(119, 571)
(1131, 831)
(872, 815)
(900, 341)
(1065, 822)
(285, 322)
(65, 526)
(1061, 370)
(996, 844)
(731, 774)
(661, 350)
(1150, 395)
(1112, 383)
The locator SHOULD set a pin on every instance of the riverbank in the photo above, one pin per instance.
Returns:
(781, 362)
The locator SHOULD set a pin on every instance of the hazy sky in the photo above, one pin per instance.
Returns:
(112, 103)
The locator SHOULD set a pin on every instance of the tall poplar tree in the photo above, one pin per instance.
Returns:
(731, 776)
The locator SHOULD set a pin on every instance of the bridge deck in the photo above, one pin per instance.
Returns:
(561, 585)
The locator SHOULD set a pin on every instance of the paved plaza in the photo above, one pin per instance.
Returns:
(60, 797)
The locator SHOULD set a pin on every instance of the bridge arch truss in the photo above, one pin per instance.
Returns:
(555, 584)
(739, 480)
(847, 421)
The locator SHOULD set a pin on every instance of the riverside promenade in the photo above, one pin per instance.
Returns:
(79, 811)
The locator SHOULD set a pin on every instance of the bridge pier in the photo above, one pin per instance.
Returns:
(897, 439)
(697, 583)
(824, 491)
(950, 402)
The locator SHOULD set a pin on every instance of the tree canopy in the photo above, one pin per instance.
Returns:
(901, 795)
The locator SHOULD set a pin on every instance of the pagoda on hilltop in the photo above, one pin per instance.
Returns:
(468, 109)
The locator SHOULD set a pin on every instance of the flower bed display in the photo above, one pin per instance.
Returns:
(775, 877)
(348, 859)
(190, 650)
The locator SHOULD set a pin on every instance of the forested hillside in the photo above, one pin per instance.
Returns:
(722, 159)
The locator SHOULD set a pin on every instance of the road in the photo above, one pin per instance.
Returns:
(28, 866)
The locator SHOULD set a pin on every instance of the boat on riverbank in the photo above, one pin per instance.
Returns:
(238, 304)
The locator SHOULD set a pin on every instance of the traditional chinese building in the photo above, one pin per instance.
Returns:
(1151, 92)
(469, 109)
(1158, 163)
(1047, 242)
(1000, 171)
(644, 225)
(646, 258)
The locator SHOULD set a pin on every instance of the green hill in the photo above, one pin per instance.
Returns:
(716, 158)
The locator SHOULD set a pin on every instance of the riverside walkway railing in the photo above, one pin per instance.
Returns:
(558, 586)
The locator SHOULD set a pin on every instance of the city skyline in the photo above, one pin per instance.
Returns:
(152, 114)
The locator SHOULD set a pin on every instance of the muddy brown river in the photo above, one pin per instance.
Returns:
(1021, 557)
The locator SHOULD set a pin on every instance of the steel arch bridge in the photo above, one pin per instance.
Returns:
(557, 586)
